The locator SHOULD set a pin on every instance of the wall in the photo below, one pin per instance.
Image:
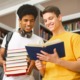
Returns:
(67, 7)
(9, 19)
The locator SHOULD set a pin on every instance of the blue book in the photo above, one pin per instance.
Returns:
(34, 49)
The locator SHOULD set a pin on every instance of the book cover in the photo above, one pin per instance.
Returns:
(15, 72)
(16, 54)
(17, 64)
(15, 58)
(16, 61)
(16, 68)
(33, 49)
(16, 50)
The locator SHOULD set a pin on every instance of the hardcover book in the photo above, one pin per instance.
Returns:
(33, 49)
(16, 50)
(15, 58)
(16, 72)
(16, 68)
(17, 54)
(16, 63)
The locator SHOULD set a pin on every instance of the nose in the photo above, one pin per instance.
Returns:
(47, 23)
(28, 23)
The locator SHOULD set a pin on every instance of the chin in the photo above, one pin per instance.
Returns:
(27, 30)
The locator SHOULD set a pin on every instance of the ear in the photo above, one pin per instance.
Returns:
(60, 17)
(19, 23)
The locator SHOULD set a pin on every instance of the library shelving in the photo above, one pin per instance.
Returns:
(72, 22)
(3, 31)
(43, 31)
(72, 25)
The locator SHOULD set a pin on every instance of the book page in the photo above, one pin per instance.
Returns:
(52, 42)
(35, 45)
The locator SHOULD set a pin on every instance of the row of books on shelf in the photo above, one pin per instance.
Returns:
(2, 34)
(45, 33)
(16, 63)
(72, 26)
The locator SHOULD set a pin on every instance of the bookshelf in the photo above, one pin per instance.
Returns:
(3, 31)
(44, 32)
(72, 22)
(72, 25)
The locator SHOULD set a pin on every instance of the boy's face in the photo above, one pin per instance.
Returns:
(51, 21)
(27, 23)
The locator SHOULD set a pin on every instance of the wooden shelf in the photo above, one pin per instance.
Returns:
(71, 17)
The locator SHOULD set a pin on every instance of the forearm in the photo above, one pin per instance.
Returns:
(1, 60)
(71, 65)
(31, 65)
(2, 52)
(42, 71)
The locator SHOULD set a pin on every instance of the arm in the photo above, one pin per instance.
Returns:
(71, 65)
(40, 67)
(2, 51)
(30, 67)
(54, 58)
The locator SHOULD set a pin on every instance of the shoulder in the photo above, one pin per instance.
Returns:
(36, 36)
(73, 36)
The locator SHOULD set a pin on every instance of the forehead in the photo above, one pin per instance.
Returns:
(28, 17)
(48, 14)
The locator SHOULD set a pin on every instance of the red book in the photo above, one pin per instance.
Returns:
(15, 72)
(16, 68)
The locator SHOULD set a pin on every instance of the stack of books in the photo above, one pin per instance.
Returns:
(16, 63)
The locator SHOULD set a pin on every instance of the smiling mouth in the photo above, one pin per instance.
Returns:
(51, 24)
(28, 27)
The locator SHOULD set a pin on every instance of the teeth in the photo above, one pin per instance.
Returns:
(52, 23)
(27, 27)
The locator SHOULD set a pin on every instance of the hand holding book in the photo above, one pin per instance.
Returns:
(44, 56)
(33, 49)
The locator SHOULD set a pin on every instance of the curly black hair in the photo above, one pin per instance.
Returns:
(27, 9)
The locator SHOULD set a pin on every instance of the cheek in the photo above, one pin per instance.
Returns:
(46, 25)
(32, 25)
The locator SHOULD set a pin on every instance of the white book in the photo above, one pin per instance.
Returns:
(17, 54)
(15, 72)
(15, 61)
(15, 58)
(16, 68)
(16, 50)
(17, 64)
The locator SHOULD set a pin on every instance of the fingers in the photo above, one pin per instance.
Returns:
(55, 52)
(38, 64)
(43, 52)
(40, 56)
(43, 55)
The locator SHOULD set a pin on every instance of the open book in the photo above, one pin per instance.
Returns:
(48, 47)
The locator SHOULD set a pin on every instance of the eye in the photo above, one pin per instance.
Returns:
(25, 20)
(32, 20)
(45, 21)
(50, 18)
